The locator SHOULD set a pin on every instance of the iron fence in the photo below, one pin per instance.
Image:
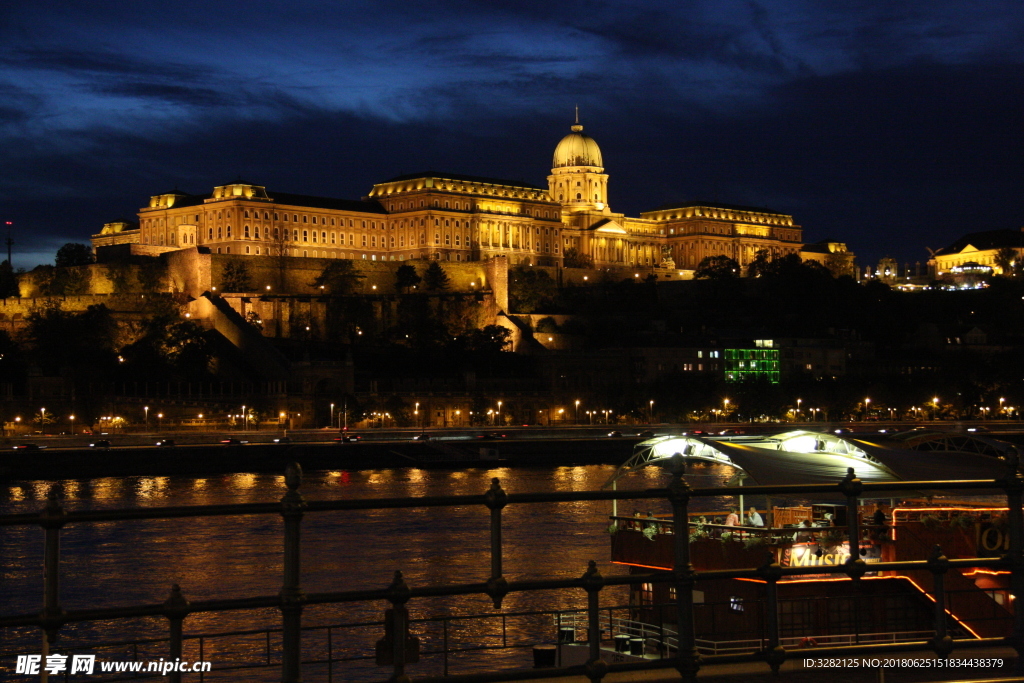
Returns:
(396, 649)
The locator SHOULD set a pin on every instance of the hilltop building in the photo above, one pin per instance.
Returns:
(454, 217)
(977, 249)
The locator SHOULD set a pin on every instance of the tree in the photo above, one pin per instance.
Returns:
(760, 265)
(8, 281)
(574, 258)
(840, 263)
(74, 254)
(529, 288)
(435, 279)
(277, 253)
(236, 277)
(490, 339)
(406, 277)
(1005, 259)
(339, 278)
(719, 267)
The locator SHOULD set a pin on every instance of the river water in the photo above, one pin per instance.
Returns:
(136, 562)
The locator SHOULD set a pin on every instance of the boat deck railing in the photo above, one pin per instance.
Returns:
(395, 647)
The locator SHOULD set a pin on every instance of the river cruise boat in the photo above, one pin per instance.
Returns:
(827, 609)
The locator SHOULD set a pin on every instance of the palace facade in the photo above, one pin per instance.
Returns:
(452, 217)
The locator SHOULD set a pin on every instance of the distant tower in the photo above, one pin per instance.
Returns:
(577, 179)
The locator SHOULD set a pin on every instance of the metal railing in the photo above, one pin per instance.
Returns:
(396, 648)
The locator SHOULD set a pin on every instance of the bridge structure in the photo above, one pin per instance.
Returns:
(397, 647)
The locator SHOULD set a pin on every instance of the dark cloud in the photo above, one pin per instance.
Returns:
(891, 127)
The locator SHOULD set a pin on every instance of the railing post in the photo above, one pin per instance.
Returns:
(851, 487)
(939, 565)
(52, 519)
(176, 608)
(497, 586)
(292, 507)
(682, 570)
(593, 582)
(771, 572)
(397, 647)
(1014, 486)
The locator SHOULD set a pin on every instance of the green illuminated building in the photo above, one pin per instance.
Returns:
(759, 363)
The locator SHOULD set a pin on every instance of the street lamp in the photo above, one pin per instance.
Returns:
(867, 406)
(650, 419)
(798, 402)
(577, 411)
(160, 423)
(72, 418)
(725, 409)
(245, 418)
(332, 416)
(497, 416)
(1001, 401)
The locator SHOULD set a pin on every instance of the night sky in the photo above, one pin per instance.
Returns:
(890, 126)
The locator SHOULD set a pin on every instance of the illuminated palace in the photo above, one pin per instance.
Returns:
(452, 217)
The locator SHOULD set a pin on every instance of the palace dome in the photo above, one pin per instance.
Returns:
(577, 149)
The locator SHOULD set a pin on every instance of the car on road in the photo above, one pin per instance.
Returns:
(165, 443)
(421, 437)
(282, 439)
(102, 443)
(347, 438)
(233, 442)
(27, 447)
(647, 434)
(491, 436)
(615, 433)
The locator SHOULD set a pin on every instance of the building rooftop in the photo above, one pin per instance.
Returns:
(987, 239)
(466, 178)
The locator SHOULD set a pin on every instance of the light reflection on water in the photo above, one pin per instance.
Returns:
(136, 562)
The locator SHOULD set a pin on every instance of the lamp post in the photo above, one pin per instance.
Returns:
(160, 421)
(798, 402)
(867, 406)
(42, 420)
(72, 418)
(650, 414)
(577, 411)
(416, 414)
(725, 410)
(935, 408)
(497, 416)
(146, 408)
(245, 419)
(332, 416)
(1001, 401)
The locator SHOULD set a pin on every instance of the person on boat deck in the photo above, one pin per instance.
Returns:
(878, 520)
(754, 518)
(804, 534)
(733, 519)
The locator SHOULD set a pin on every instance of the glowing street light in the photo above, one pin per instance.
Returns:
(577, 411)
(146, 408)
(650, 414)
(725, 408)
(332, 416)
(798, 402)
(497, 415)
(867, 406)
(72, 418)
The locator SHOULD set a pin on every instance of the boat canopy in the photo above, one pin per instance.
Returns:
(804, 457)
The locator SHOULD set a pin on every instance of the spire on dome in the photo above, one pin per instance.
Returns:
(576, 127)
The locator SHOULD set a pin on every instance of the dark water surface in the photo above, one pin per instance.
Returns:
(129, 563)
